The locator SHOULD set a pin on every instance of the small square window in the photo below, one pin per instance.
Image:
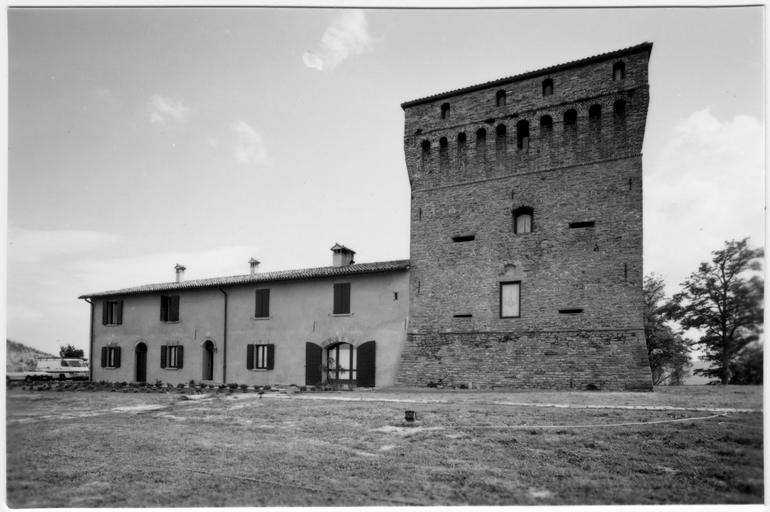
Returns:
(510, 300)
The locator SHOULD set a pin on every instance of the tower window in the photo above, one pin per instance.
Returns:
(570, 119)
(443, 151)
(461, 139)
(522, 134)
(619, 108)
(510, 300)
(445, 111)
(522, 220)
(501, 142)
(618, 71)
(547, 87)
(481, 136)
(500, 98)
(546, 124)
(595, 113)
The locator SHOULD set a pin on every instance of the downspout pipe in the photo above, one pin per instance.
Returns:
(91, 344)
(224, 343)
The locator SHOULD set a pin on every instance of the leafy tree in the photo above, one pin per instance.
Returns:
(747, 367)
(70, 351)
(726, 307)
(668, 350)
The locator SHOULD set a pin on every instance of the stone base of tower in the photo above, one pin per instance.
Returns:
(607, 360)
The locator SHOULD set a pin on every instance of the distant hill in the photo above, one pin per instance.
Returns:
(694, 380)
(18, 354)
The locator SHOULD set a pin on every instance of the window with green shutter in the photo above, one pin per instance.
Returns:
(169, 308)
(110, 357)
(172, 356)
(262, 309)
(260, 357)
(341, 299)
(112, 312)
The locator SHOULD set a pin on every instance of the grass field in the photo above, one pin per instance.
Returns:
(103, 449)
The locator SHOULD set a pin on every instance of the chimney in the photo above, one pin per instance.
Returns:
(253, 266)
(342, 256)
(179, 273)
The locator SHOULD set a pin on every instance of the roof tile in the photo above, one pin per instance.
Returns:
(283, 275)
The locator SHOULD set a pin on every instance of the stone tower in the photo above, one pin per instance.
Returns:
(526, 229)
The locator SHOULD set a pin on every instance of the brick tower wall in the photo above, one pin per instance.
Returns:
(580, 323)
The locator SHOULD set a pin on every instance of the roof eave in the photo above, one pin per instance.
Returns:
(398, 265)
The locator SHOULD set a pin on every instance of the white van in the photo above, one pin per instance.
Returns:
(63, 368)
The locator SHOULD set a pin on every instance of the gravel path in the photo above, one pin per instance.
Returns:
(482, 401)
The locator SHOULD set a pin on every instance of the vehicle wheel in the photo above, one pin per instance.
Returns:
(62, 377)
(28, 379)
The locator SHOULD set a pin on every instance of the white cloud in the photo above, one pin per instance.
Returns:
(30, 245)
(249, 146)
(43, 310)
(312, 61)
(162, 109)
(707, 188)
(347, 35)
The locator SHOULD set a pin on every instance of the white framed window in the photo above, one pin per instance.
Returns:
(510, 300)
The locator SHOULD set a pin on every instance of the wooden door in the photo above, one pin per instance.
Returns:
(367, 366)
(141, 363)
(208, 361)
(313, 362)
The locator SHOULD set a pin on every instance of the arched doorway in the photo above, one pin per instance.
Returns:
(141, 362)
(208, 360)
(341, 363)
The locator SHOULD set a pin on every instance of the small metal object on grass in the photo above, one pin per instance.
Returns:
(409, 416)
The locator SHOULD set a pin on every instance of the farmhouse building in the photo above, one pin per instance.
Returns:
(259, 328)
(525, 268)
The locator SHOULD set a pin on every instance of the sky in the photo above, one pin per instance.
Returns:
(143, 138)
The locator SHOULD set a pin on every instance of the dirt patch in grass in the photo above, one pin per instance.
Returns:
(290, 452)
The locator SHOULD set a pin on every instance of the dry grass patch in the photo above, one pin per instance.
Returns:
(288, 452)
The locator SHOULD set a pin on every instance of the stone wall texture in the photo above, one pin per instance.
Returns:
(580, 324)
